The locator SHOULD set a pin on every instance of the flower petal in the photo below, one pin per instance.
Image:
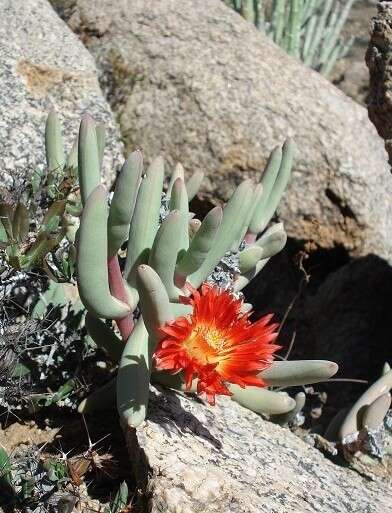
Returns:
(217, 343)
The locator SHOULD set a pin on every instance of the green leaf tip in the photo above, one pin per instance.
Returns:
(290, 416)
(351, 425)
(179, 201)
(298, 372)
(178, 172)
(145, 220)
(54, 146)
(374, 414)
(88, 157)
(193, 184)
(249, 258)
(272, 241)
(201, 244)
(123, 202)
(274, 181)
(229, 232)
(165, 250)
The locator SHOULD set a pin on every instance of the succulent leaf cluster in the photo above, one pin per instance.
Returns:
(307, 29)
(33, 227)
(23, 249)
(131, 257)
(361, 426)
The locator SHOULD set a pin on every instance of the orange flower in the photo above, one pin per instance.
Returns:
(217, 343)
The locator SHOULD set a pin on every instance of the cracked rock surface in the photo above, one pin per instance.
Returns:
(204, 87)
(44, 66)
(227, 459)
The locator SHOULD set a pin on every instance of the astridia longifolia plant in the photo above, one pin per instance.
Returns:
(147, 253)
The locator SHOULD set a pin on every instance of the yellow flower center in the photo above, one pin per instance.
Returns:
(212, 336)
(204, 342)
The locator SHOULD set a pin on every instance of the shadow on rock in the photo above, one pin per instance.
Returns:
(166, 410)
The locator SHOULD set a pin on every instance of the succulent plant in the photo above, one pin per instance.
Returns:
(307, 29)
(32, 228)
(42, 350)
(40, 365)
(35, 482)
(166, 252)
(30, 484)
(23, 250)
(361, 426)
(37, 233)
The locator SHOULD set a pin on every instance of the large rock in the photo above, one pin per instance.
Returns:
(203, 86)
(226, 459)
(44, 66)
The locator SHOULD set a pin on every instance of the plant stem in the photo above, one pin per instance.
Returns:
(250, 238)
(117, 289)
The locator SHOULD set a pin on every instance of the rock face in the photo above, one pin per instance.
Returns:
(44, 66)
(378, 58)
(203, 86)
(228, 459)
